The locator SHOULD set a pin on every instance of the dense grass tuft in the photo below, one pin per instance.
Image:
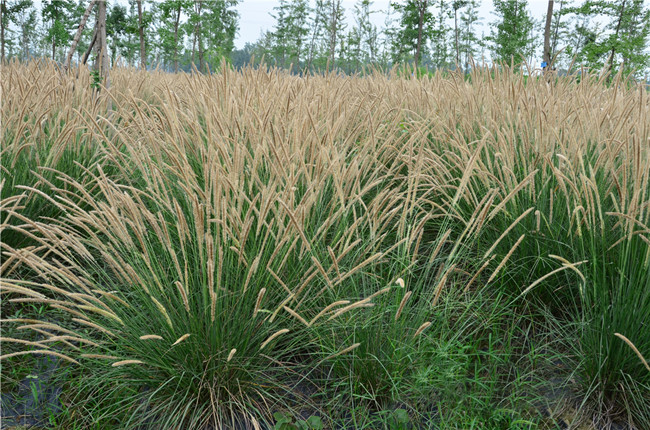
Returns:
(219, 248)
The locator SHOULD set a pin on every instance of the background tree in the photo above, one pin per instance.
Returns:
(456, 5)
(101, 66)
(171, 32)
(547, 34)
(415, 23)
(4, 23)
(87, 32)
(597, 33)
(633, 37)
(26, 20)
(219, 24)
(131, 44)
(299, 29)
(77, 36)
(511, 32)
(14, 12)
(559, 30)
(194, 28)
(469, 41)
(280, 33)
(624, 37)
(117, 23)
(365, 31)
(439, 35)
(262, 48)
(56, 13)
(243, 57)
(335, 26)
(318, 24)
(143, 54)
(630, 26)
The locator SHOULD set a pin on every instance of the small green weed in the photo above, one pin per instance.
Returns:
(284, 421)
(397, 419)
(95, 79)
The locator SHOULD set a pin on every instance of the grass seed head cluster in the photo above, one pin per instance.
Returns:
(217, 235)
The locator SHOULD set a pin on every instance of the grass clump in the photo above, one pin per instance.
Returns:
(245, 248)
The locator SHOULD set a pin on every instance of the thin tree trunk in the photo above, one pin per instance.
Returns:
(336, 4)
(77, 36)
(53, 43)
(199, 30)
(618, 27)
(102, 62)
(194, 48)
(130, 58)
(84, 59)
(313, 40)
(143, 55)
(547, 35)
(178, 19)
(418, 49)
(456, 35)
(556, 29)
(25, 42)
(198, 6)
(3, 8)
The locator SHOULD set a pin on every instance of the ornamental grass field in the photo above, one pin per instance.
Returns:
(250, 249)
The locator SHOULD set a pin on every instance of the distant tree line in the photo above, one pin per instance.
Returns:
(317, 35)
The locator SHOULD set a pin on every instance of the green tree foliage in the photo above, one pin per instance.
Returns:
(15, 12)
(415, 29)
(290, 32)
(511, 33)
(364, 37)
(456, 6)
(623, 39)
(318, 23)
(469, 42)
(56, 13)
(313, 34)
(171, 32)
(194, 26)
(334, 27)
(219, 25)
(562, 34)
(130, 43)
(117, 30)
(440, 48)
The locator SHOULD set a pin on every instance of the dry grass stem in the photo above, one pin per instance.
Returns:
(296, 315)
(551, 273)
(41, 352)
(182, 338)
(258, 302)
(344, 351)
(231, 354)
(636, 351)
(422, 328)
(402, 303)
(126, 362)
(505, 259)
(150, 337)
(273, 336)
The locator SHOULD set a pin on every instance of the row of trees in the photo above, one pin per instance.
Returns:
(315, 34)
(172, 33)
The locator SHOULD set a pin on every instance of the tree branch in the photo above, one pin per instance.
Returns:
(77, 36)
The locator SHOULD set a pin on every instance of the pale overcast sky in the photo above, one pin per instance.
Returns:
(254, 16)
